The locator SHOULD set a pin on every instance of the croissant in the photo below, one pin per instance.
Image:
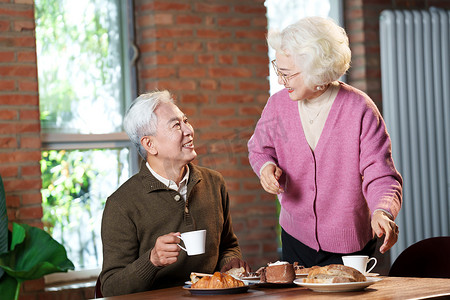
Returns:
(217, 281)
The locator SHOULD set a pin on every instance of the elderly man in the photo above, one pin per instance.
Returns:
(144, 217)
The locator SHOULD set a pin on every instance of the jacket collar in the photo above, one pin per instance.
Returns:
(151, 183)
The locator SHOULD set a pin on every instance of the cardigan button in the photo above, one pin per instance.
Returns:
(186, 210)
(177, 197)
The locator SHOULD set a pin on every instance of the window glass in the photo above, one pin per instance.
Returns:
(75, 187)
(79, 65)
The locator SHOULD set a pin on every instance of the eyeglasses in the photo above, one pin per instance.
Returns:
(284, 77)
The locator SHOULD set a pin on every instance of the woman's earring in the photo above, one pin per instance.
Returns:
(319, 87)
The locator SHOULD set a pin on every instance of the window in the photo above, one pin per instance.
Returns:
(86, 81)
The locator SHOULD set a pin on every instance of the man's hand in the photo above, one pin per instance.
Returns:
(166, 250)
(235, 263)
(269, 179)
(382, 224)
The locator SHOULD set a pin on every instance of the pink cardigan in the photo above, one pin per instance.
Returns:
(329, 193)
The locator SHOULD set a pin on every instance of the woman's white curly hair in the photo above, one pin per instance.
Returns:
(319, 47)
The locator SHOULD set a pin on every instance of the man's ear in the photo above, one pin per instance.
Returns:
(148, 143)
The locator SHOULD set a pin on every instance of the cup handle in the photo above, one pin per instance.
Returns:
(374, 264)
(179, 244)
(181, 247)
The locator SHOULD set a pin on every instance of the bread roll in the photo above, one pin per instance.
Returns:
(334, 274)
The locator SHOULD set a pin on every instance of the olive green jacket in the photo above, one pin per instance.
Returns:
(142, 209)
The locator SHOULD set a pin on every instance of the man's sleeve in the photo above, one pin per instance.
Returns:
(123, 270)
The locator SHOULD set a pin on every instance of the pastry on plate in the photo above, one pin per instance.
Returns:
(301, 271)
(237, 272)
(277, 272)
(217, 281)
(334, 274)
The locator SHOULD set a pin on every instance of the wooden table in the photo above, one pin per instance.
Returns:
(388, 288)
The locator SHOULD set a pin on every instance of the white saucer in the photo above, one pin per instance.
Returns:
(372, 274)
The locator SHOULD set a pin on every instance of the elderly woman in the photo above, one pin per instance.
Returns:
(322, 146)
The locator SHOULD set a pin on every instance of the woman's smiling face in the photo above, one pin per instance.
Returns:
(294, 83)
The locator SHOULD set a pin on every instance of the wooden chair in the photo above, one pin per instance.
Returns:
(426, 258)
(98, 291)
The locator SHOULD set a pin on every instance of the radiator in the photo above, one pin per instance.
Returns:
(415, 73)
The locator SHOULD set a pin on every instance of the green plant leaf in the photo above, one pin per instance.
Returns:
(3, 223)
(18, 236)
(38, 255)
(8, 287)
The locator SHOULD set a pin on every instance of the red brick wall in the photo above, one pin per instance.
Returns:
(20, 142)
(212, 56)
(19, 113)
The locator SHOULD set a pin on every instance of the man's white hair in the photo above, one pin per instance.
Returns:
(141, 120)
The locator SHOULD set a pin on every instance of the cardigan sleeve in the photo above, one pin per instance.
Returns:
(261, 145)
(123, 271)
(382, 183)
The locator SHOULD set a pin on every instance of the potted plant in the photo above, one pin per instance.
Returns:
(26, 253)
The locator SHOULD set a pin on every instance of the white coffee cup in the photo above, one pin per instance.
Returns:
(359, 262)
(194, 242)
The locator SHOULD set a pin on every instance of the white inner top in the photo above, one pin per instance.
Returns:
(314, 113)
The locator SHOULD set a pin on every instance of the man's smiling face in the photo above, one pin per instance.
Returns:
(174, 138)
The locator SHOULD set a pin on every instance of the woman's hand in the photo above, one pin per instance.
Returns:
(382, 224)
(166, 250)
(269, 179)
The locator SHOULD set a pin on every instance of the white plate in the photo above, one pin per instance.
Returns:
(250, 282)
(372, 274)
(248, 278)
(337, 287)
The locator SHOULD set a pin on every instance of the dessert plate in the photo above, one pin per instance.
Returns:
(235, 290)
(338, 287)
